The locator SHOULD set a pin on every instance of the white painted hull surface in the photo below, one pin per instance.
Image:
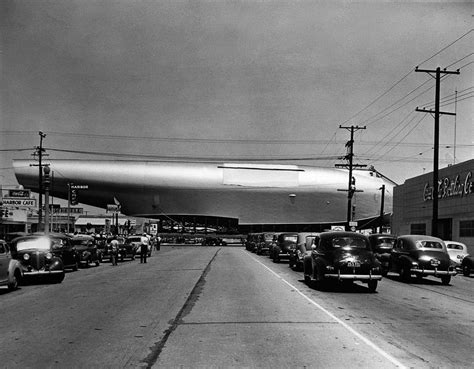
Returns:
(251, 193)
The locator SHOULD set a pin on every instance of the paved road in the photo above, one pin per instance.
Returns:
(221, 307)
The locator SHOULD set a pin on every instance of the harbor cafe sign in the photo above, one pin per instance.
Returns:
(460, 186)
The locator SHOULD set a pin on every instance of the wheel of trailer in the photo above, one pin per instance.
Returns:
(445, 279)
(372, 286)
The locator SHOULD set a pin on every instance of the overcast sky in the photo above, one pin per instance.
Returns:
(231, 80)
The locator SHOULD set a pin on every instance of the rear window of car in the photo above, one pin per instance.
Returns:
(454, 246)
(293, 239)
(349, 243)
(425, 244)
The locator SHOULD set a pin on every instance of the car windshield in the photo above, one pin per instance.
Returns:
(41, 243)
(425, 244)
(268, 237)
(80, 242)
(134, 239)
(349, 243)
(292, 239)
(385, 242)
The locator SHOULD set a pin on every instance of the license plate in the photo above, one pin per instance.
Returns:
(353, 264)
(434, 262)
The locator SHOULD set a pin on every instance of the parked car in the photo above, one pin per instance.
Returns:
(87, 250)
(10, 269)
(342, 256)
(421, 256)
(135, 243)
(213, 241)
(251, 242)
(467, 265)
(281, 249)
(264, 242)
(382, 246)
(42, 255)
(457, 252)
(303, 247)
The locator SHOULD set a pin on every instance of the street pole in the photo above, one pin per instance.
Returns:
(382, 204)
(350, 155)
(437, 113)
(40, 179)
(46, 199)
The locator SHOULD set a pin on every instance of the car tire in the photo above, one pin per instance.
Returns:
(466, 270)
(97, 262)
(372, 286)
(405, 274)
(445, 279)
(13, 284)
(75, 267)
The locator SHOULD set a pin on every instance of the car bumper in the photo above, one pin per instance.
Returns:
(434, 272)
(34, 273)
(355, 277)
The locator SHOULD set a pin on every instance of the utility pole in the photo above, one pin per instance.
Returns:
(39, 151)
(437, 113)
(350, 165)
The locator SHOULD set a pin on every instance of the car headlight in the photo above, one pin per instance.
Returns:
(49, 256)
(330, 268)
(26, 257)
(414, 264)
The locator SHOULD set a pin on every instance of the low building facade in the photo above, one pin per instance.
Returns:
(413, 204)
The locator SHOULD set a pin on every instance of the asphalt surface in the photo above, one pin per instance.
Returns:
(222, 307)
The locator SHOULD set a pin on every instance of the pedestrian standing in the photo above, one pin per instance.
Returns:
(143, 250)
(114, 251)
(158, 243)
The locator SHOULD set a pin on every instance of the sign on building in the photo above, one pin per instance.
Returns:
(19, 193)
(19, 202)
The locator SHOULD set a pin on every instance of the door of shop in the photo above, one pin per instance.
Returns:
(445, 229)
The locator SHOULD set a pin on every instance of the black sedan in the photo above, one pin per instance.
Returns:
(303, 247)
(86, 249)
(421, 256)
(342, 256)
(283, 246)
(382, 246)
(42, 255)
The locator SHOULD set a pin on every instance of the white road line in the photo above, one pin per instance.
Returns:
(345, 325)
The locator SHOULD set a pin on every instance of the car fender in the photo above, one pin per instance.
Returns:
(14, 266)
(56, 264)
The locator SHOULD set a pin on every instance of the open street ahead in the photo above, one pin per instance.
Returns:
(221, 307)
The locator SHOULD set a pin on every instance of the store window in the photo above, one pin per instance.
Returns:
(419, 228)
(466, 228)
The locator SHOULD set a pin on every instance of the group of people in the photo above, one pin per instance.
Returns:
(114, 248)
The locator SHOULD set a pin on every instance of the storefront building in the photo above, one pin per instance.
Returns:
(413, 204)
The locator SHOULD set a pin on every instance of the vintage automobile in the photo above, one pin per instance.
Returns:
(252, 241)
(382, 245)
(421, 256)
(213, 241)
(134, 243)
(302, 247)
(10, 269)
(467, 265)
(457, 252)
(281, 248)
(264, 242)
(87, 250)
(342, 256)
(45, 255)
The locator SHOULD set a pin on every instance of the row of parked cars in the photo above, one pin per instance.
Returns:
(48, 256)
(351, 256)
